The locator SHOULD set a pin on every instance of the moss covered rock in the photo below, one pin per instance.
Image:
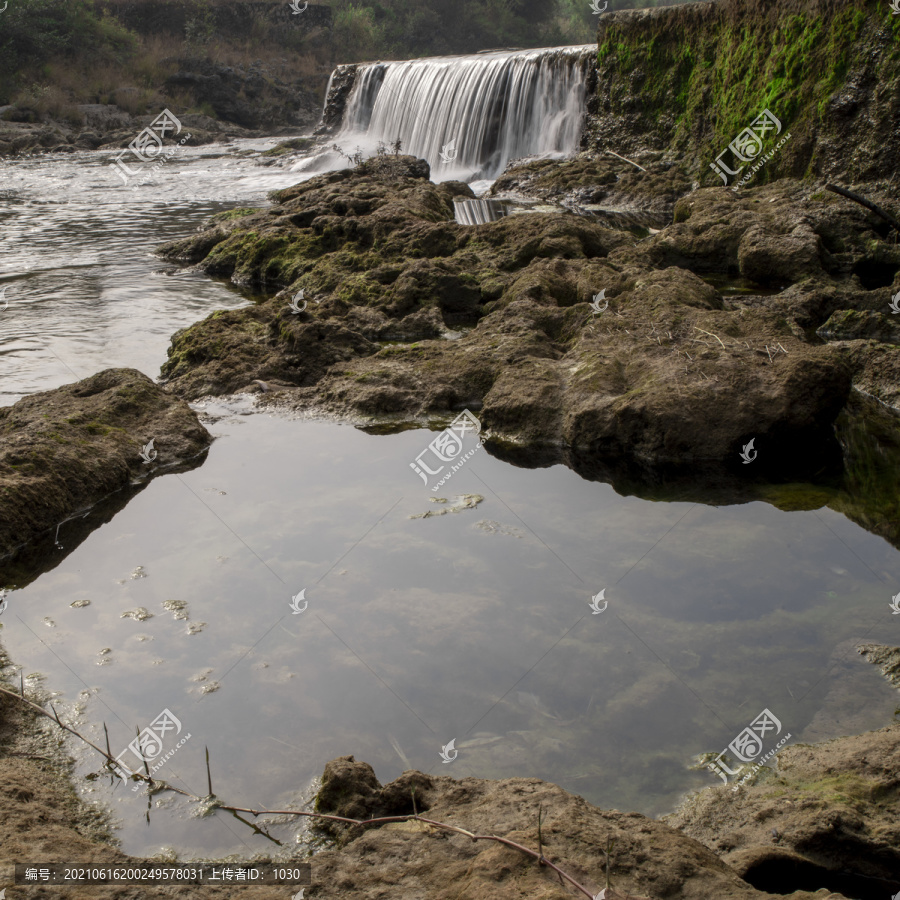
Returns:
(563, 332)
(64, 450)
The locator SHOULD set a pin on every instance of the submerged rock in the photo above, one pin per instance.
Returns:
(62, 451)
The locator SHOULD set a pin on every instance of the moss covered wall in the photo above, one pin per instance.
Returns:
(690, 78)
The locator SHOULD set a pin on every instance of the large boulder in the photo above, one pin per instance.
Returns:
(563, 330)
(62, 451)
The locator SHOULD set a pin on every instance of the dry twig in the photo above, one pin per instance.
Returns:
(165, 786)
(625, 159)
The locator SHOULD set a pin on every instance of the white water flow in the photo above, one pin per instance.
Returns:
(470, 115)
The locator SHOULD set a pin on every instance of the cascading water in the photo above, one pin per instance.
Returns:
(470, 115)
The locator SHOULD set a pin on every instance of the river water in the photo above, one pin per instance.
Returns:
(473, 626)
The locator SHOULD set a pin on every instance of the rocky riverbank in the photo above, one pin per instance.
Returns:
(719, 328)
(107, 127)
(819, 823)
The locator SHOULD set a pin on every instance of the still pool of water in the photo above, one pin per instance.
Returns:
(474, 626)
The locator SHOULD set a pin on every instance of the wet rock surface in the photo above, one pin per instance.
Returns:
(648, 859)
(677, 368)
(63, 451)
(826, 816)
(853, 325)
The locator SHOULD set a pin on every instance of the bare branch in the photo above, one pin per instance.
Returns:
(625, 159)
(162, 785)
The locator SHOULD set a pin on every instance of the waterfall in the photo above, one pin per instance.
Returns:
(470, 115)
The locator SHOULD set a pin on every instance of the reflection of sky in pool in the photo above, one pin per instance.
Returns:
(473, 626)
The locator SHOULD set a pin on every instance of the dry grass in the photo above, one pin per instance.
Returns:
(49, 100)
(136, 85)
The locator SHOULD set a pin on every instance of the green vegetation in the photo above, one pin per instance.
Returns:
(55, 54)
(719, 72)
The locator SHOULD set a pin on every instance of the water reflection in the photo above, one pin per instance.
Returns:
(474, 626)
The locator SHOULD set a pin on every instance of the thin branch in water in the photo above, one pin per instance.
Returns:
(208, 774)
(146, 764)
(165, 786)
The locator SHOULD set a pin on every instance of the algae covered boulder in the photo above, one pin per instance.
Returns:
(613, 341)
(62, 451)
(860, 325)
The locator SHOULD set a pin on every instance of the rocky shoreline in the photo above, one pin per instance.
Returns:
(751, 316)
(817, 823)
(644, 357)
(110, 128)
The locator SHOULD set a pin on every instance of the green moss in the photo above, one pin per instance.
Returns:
(730, 72)
(795, 497)
(230, 214)
(288, 146)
